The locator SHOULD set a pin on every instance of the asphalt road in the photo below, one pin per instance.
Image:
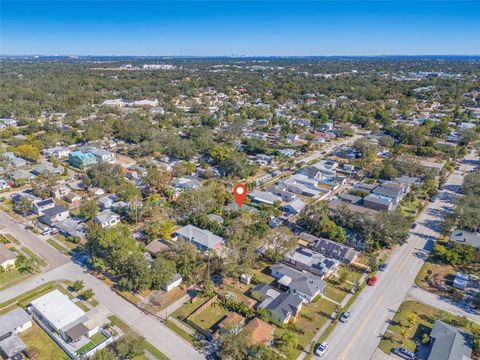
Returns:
(63, 268)
(376, 306)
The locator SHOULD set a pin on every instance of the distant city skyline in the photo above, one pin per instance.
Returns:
(248, 28)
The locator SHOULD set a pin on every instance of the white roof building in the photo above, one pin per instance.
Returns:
(57, 309)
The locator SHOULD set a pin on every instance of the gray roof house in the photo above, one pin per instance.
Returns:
(464, 237)
(264, 197)
(14, 321)
(106, 219)
(11, 324)
(449, 343)
(71, 227)
(204, 240)
(282, 307)
(234, 207)
(40, 206)
(300, 283)
(39, 169)
(294, 207)
(54, 215)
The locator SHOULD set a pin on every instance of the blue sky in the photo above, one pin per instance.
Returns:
(240, 27)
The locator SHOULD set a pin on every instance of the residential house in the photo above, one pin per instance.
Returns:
(39, 169)
(282, 308)
(57, 152)
(294, 207)
(22, 175)
(232, 323)
(73, 198)
(464, 237)
(204, 240)
(379, 202)
(259, 332)
(449, 343)
(185, 183)
(334, 250)
(7, 258)
(312, 261)
(13, 159)
(40, 206)
(13, 323)
(60, 191)
(106, 219)
(155, 247)
(234, 207)
(71, 227)
(301, 283)
(81, 160)
(103, 156)
(105, 202)
(264, 197)
(54, 215)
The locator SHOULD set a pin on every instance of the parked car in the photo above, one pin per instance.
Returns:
(414, 225)
(383, 267)
(321, 349)
(404, 353)
(345, 317)
(372, 281)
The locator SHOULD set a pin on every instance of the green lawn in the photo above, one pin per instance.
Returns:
(98, 338)
(426, 316)
(334, 293)
(46, 347)
(12, 238)
(30, 295)
(187, 308)
(57, 246)
(85, 348)
(179, 331)
(352, 276)
(210, 316)
(12, 277)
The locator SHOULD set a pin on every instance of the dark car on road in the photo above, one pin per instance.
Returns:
(404, 353)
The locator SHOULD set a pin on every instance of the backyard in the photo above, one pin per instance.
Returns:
(36, 338)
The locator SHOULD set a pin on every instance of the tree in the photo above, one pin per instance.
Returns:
(24, 206)
(187, 259)
(233, 346)
(26, 265)
(471, 183)
(78, 285)
(129, 346)
(43, 184)
(286, 341)
(315, 219)
(136, 273)
(388, 171)
(103, 354)
(160, 229)
(28, 152)
(162, 271)
(342, 277)
(89, 210)
(404, 333)
(88, 294)
(412, 319)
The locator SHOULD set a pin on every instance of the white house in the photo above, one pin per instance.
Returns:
(7, 258)
(103, 156)
(174, 282)
(107, 219)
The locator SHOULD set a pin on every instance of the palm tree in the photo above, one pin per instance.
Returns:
(404, 333)
(412, 319)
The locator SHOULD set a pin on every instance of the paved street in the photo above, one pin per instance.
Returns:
(61, 268)
(326, 149)
(41, 248)
(377, 305)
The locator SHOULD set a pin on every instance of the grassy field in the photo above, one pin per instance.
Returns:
(187, 308)
(46, 347)
(179, 331)
(207, 318)
(12, 277)
(334, 293)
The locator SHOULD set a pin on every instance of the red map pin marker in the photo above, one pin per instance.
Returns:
(239, 191)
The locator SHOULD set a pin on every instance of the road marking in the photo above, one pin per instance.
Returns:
(362, 325)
